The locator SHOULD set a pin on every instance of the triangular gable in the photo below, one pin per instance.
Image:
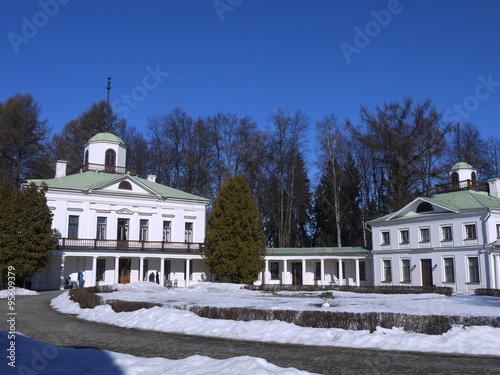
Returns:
(420, 206)
(124, 184)
(125, 211)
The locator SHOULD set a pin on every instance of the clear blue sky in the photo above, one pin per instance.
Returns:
(250, 57)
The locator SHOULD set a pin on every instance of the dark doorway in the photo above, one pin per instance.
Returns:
(426, 272)
(124, 271)
(296, 273)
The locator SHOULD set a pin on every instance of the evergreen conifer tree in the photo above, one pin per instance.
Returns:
(235, 243)
(26, 234)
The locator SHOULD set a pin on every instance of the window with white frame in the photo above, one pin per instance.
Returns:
(143, 230)
(73, 226)
(386, 240)
(449, 270)
(387, 272)
(470, 232)
(425, 235)
(404, 236)
(167, 231)
(473, 269)
(498, 231)
(446, 232)
(101, 228)
(405, 264)
(188, 232)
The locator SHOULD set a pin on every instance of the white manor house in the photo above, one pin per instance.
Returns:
(118, 228)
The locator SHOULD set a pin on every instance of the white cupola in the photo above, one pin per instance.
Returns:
(462, 172)
(105, 152)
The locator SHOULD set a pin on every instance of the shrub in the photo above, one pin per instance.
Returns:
(128, 306)
(487, 292)
(86, 299)
(430, 325)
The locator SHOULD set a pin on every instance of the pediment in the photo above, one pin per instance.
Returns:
(124, 184)
(421, 207)
(125, 211)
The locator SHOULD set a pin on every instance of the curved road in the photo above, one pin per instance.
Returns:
(36, 320)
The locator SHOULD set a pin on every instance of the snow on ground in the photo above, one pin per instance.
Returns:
(18, 292)
(36, 357)
(468, 340)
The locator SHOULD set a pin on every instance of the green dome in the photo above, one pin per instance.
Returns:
(461, 165)
(106, 137)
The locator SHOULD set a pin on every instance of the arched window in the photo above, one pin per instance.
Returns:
(86, 158)
(125, 185)
(473, 176)
(110, 158)
(454, 178)
(425, 207)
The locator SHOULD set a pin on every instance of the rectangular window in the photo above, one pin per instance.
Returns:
(188, 232)
(405, 236)
(473, 270)
(275, 270)
(470, 232)
(406, 270)
(167, 230)
(362, 271)
(424, 235)
(317, 274)
(122, 233)
(498, 231)
(143, 230)
(101, 228)
(449, 270)
(387, 270)
(101, 268)
(385, 238)
(447, 234)
(73, 227)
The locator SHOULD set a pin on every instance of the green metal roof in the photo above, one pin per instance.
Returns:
(93, 180)
(106, 137)
(316, 250)
(461, 165)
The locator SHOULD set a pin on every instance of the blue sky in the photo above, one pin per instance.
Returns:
(250, 57)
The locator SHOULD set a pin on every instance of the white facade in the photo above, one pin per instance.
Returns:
(447, 240)
(118, 228)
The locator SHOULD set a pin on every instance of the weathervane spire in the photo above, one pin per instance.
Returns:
(108, 88)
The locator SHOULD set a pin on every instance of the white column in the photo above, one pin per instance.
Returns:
(303, 272)
(94, 271)
(497, 270)
(117, 263)
(61, 276)
(162, 271)
(285, 273)
(341, 274)
(187, 273)
(266, 270)
(322, 272)
(141, 269)
(357, 272)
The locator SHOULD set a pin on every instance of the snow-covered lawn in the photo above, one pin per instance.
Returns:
(468, 340)
(50, 359)
(4, 293)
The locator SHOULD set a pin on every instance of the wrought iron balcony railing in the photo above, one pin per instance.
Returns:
(461, 185)
(82, 243)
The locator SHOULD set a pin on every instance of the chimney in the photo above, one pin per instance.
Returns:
(152, 177)
(494, 184)
(61, 168)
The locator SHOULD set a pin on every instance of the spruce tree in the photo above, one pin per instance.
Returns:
(235, 243)
(26, 234)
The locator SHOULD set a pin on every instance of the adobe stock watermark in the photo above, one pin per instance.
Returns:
(139, 93)
(482, 92)
(223, 6)
(363, 36)
(32, 25)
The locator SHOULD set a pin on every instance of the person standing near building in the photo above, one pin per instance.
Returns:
(81, 281)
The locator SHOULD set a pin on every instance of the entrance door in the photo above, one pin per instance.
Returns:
(124, 271)
(426, 272)
(296, 273)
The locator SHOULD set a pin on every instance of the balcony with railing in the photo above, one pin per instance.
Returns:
(82, 243)
(107, 168)
(461, 185)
